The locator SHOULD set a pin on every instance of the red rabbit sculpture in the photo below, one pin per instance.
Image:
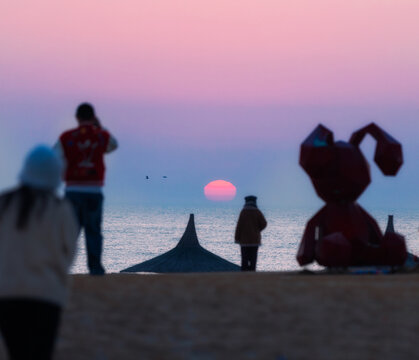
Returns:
(342, 233)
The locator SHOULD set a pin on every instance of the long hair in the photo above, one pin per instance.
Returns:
(27, 198)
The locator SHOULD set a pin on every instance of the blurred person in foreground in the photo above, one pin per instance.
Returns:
(82, 150)
(249, 226)
(38, 237)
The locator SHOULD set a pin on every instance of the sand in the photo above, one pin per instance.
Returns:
(241, 316)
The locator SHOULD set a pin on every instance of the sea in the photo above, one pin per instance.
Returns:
(134, 234)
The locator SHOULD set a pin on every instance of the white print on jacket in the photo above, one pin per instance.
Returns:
(87, 149)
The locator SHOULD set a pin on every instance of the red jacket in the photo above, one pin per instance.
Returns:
(83, 149)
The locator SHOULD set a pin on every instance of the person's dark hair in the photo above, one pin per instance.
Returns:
(85, 112)
(27, 198)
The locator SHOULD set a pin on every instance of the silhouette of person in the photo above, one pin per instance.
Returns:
(38, 238)
(83, 150)
(249, 226)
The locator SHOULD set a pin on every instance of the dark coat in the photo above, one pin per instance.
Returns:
(251, 222)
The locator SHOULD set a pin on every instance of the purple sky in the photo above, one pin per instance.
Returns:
(200, 90)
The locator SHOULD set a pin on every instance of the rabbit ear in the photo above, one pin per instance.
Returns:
(320, 136)
(316, 151)
(388, 151)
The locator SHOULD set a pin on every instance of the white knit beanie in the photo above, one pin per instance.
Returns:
(42, 169)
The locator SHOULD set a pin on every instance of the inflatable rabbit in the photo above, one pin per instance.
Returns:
(342, 233)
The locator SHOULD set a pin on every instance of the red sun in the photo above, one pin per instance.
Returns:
(220, 190)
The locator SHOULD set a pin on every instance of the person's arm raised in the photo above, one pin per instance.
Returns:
(113, 143)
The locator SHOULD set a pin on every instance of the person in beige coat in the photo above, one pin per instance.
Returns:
(248, 233)
(38, 236)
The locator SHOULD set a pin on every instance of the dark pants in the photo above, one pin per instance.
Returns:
(249, 257)
(29, 328)
(88, 208)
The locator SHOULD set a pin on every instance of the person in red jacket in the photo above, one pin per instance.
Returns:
(83, 149)
(249, 226)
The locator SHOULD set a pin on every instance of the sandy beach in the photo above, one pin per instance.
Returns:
(241, 316)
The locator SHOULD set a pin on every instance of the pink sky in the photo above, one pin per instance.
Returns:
(212, 51)
(211, 89)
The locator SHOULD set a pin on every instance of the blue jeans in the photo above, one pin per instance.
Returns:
(88, 208)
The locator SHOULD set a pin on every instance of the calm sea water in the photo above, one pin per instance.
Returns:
(134, 234)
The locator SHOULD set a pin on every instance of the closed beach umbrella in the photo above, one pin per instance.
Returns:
(187, 256)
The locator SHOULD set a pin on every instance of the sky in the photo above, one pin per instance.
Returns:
(200, 90)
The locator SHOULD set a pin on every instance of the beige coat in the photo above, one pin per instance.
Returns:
(251, 222)
(34, 261)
